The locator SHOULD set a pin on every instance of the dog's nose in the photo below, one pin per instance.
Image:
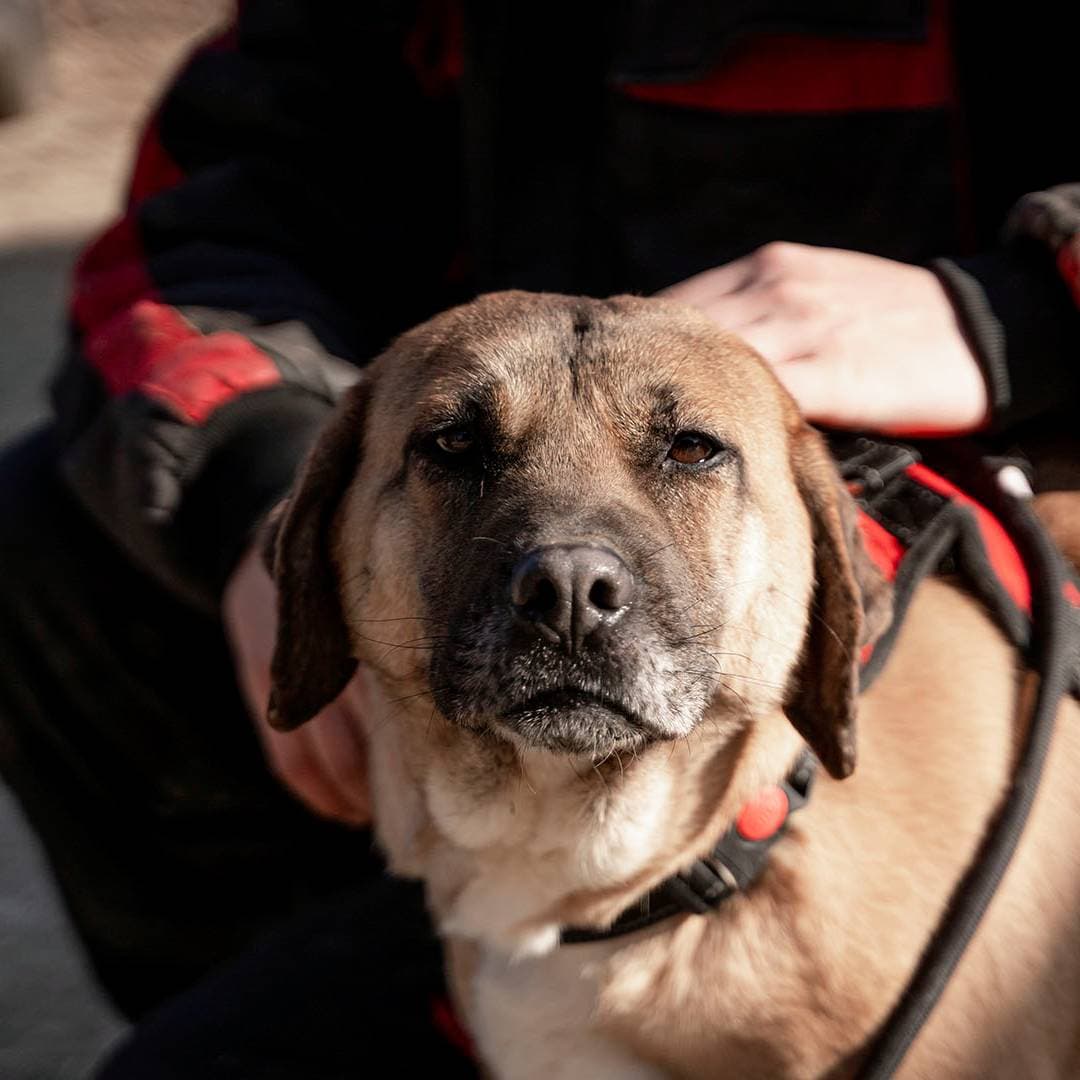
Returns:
(566, 591)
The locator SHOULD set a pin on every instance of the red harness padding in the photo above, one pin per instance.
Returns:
(887, 550)
(915, 522)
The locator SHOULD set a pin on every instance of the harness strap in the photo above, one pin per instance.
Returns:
(1053, 655)
(915, 521)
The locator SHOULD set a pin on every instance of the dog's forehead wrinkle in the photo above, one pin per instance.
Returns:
(514, 394)
(526, 376)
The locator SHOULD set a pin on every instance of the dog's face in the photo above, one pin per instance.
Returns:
(580, 526)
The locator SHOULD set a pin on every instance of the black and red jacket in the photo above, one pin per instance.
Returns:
(325, 174)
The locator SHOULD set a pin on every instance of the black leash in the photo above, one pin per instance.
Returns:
(1050, 654)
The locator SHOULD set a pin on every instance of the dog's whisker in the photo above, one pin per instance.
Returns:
(739, 628)
(714, 657)
(692, 637)
(697, 678)
(605, 758)
(596, 768)
(389, 717)
(734, 675)
(718, 591)
(653, 554)
(410, 697)
(714, 653)
(813, 615)
(350, 579)
(408, 643)
(400, 618)
(397, 714)
(523, 777)
(746, 708)
(573, 768)
(384, 721)
(771, 684)
(696, 600)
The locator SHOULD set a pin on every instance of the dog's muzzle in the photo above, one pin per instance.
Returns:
(566, 655)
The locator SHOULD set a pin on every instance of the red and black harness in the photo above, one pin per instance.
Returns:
(915, 521)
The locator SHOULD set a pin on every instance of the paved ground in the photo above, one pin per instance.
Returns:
(53, 1023)
(32, 285)
(61, 171)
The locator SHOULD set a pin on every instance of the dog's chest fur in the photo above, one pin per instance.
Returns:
(499, 848)
(506, 863)
(612, 1009)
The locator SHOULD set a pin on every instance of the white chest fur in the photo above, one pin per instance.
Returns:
(535, 1018)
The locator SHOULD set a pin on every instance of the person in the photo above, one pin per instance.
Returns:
(830, 181)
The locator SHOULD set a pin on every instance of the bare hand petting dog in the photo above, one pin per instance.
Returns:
(859, 341)
(324, 763)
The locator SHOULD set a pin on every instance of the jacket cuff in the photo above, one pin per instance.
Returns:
(1023, 327)
(263, 438)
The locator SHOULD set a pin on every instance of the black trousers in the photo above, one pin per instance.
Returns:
(123, 733)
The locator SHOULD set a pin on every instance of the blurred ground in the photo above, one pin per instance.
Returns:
(62, 167)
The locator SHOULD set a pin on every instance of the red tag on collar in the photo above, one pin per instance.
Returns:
(764, 815)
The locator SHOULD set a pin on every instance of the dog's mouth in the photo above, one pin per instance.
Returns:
(573, 721)
(629, 690)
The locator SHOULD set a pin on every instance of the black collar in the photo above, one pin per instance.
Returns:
(736, 862)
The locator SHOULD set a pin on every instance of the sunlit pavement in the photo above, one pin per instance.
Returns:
(62, 165)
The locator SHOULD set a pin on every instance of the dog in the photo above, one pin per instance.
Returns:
(605, 585)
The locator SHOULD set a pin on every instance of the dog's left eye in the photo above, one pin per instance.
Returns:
(693, 448)
(456, 440)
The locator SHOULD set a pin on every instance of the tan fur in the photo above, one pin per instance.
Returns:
(792, 979)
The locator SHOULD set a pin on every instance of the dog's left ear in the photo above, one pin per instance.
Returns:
(851, 606)
(312, 657)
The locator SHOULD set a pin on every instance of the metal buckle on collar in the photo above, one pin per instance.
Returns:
(800, 782)
(703, 887)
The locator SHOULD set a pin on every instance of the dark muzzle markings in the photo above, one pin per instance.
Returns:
(572, 641)
(570, 631)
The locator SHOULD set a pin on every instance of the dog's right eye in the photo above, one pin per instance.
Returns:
(457, 440)
(692, 448)
(457, 444)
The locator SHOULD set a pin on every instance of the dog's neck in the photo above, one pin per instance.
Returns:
(514, 844)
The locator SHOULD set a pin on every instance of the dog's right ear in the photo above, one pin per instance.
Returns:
(312, 657)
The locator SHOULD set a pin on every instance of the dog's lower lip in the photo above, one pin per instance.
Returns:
(568, 720)
(569, 698)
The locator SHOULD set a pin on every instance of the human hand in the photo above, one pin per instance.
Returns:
(859, 341)
(323, 763)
